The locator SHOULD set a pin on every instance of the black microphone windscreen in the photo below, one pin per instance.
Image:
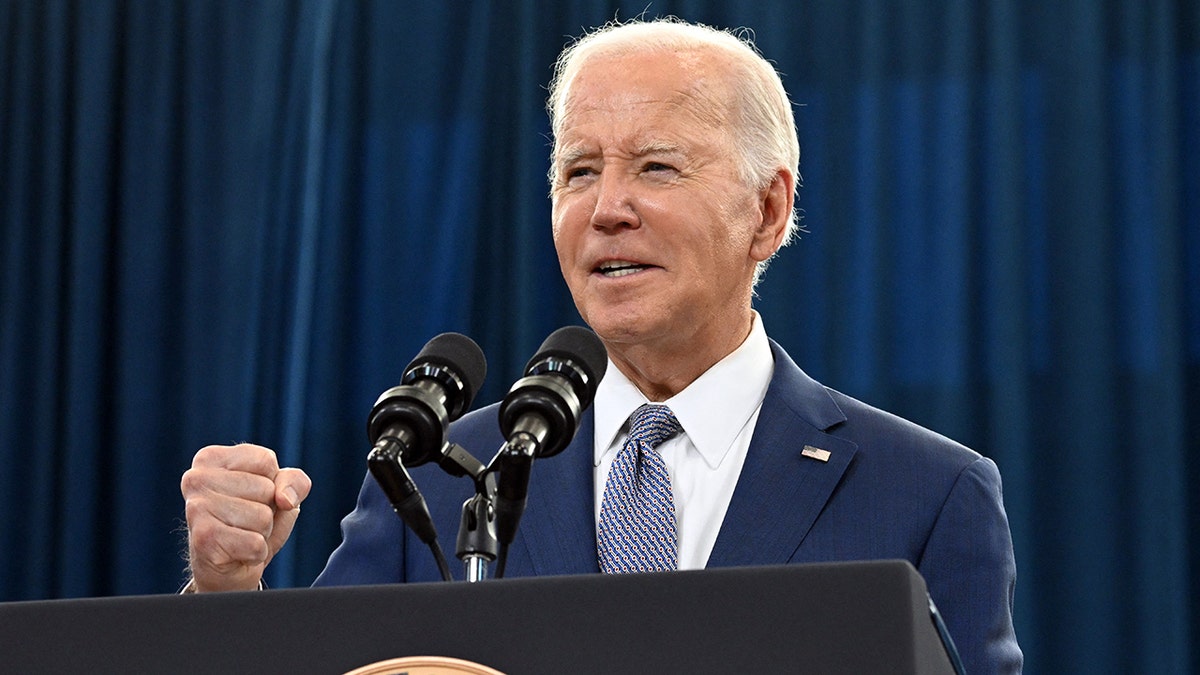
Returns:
(459, 354)
(579, 345)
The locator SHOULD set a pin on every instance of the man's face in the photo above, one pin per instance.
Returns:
(654, 229)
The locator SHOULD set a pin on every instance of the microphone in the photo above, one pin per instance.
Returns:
(437, 388)
(407, 425)
(541, 413)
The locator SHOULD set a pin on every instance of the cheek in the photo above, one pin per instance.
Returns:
(556, 215)
(569, 219)
(558, 225)
(743, 218)
(565, 244)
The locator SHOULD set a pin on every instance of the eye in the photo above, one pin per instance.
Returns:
(575, 173)
(652, 167)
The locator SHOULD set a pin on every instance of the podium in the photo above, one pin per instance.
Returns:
(857, 617)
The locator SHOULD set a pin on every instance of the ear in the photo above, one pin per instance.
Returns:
(775, 204)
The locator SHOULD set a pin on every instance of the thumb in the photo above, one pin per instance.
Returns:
(291, 487)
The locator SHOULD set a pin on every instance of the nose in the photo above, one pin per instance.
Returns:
(614, 207)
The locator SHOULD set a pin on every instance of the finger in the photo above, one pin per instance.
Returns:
(244, 457)
(254, 516)
(204, 482)
(224, 549)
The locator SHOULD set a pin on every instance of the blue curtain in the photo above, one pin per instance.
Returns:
(237, 221)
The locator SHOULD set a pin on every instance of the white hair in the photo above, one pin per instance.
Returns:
(764, 129)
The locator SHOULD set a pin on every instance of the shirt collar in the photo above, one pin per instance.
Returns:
(712, 410)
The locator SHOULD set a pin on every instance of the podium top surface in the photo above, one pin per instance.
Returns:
(828, 618)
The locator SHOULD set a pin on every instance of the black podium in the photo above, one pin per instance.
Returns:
(864, 617)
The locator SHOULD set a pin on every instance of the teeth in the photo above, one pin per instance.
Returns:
(614, 264)
(621, 272)
(619, 268)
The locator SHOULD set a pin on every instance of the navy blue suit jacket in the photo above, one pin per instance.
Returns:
(889, 490)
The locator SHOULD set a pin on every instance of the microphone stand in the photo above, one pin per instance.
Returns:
(477, 543)
(477, 546)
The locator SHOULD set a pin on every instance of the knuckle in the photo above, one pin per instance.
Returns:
(191, 482)
(209, 455)
(216, 546)
(198, 513)
(202, 533)
(247, 548)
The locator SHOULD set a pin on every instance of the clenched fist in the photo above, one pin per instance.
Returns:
(240, 509)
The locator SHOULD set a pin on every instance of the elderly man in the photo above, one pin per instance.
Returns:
(674, 169)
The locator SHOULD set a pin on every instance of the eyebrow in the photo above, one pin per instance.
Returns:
(573, 154)
(570, 155)
(660, 148)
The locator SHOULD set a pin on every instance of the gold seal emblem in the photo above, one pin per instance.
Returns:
(424, 665)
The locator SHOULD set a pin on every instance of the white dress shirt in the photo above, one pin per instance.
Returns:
(718, 412)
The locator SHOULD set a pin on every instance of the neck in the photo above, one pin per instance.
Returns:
(664, 367)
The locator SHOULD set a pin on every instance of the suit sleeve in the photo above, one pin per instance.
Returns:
(373, 543)
(969, 567)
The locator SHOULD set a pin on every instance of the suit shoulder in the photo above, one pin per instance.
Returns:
(879, 432)
(478, 427)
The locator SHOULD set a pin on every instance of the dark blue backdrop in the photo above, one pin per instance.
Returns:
(227, 221)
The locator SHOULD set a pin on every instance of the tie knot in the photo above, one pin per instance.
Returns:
(652, 424)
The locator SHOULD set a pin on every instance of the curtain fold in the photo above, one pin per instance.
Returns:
(230, 221)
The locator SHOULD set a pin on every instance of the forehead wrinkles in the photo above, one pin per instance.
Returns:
(701, 105)
(644, 133)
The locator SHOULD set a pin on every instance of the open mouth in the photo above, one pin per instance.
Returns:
(620, 268)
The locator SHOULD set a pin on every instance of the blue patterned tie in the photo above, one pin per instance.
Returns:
(636, 532)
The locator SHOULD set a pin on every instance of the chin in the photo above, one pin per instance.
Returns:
(608, 327)
(622, 332)
(625, 319)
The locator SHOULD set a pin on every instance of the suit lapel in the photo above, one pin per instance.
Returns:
(782, 489)
(777, 499)
(557, 533)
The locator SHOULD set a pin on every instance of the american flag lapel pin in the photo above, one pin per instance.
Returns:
(815, 453)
